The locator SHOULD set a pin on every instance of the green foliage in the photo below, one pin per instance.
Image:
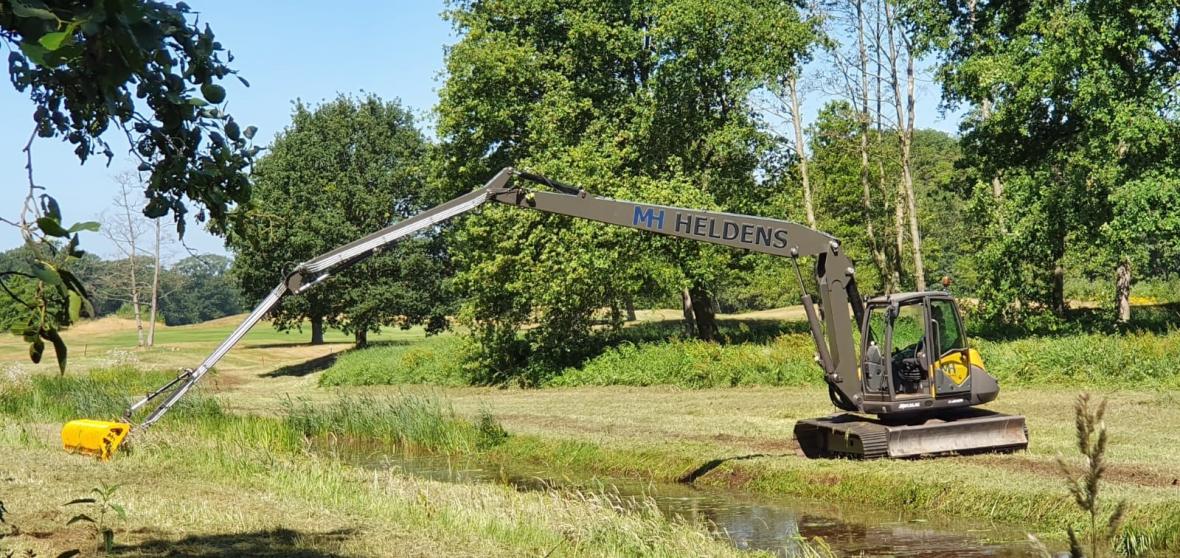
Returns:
(199, 289)
(647, 103)
(341, 170)
(101, 505)
(44, 296)
(87, 66)
(1079, 134)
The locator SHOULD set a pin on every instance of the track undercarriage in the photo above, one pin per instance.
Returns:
(961, 431)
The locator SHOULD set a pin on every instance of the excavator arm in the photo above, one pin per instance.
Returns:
(834, 274)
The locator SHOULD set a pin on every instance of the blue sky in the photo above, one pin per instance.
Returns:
(287, 50)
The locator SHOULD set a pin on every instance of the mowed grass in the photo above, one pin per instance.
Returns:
(668, 432)
(207, 482)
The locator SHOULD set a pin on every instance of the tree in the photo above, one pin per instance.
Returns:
(198, 289)
(87, 66)
(1080, 120)
(339, 171)
(648, 101)
(124, 229)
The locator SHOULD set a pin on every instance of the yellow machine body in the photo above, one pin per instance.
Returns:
(99, 438)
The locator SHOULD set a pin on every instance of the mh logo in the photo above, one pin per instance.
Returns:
(649, 217)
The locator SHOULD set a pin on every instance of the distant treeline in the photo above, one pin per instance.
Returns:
(194, 289)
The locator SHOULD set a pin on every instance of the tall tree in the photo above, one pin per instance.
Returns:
(900, 36)
(339, 171)
(1081, 100)
(645, 100)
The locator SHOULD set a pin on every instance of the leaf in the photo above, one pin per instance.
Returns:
(80, 517)
(243, 80)
(197, 102)
(36, 351)
(51, 207)
(35, 52)
(75, 306)
(59, 348)
(122, 513)
(51, 227)
(250, 131)
(232, 131)
(46, 273)
(91, 226)
(28, 8)
(80, 501)
(54, 41)
(213, 93)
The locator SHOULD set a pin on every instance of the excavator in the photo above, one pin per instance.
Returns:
(914, 389)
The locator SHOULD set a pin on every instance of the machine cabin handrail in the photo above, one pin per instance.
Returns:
(834, 271)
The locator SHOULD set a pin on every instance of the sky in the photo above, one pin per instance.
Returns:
(289, 50)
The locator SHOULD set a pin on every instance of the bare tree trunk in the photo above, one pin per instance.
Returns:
(317, 330)
(690, 326)
(630, 304)
(874, 244)
(1122, 290)
(706, 317)
(151, 337)
(361, 336)
(134, 284)
(801, 148)
(899, 230)
(892, 281)
(905, 134)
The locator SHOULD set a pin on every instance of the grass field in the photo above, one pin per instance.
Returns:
(254, 486)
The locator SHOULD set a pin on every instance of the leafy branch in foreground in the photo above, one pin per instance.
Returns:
(88, 65)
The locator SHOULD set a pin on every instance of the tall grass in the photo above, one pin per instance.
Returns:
(435, 360)
(410, 422)
(102, 393)
(786, 360)
(407, 422)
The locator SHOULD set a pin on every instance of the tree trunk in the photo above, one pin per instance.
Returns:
(690, 326)
(1122, 290)
(874, 245)
(801, 149)
(151, 337)
(135, 290)
(899, 230)
(905, 135)
(630, 304)
(317, 330)
(706, 318)
(361, 337)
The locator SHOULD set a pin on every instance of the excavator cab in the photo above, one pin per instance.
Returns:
(915, 356)
(914, 348)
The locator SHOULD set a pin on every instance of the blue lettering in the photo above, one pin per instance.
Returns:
(649, 217)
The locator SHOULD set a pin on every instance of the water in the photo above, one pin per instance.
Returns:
(773, 524)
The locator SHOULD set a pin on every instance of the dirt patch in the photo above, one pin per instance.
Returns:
(1121, 474)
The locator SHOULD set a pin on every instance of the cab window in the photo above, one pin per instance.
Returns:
(909, 327)
(950, 332)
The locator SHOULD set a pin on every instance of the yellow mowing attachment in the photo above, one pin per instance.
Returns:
(98, 438)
